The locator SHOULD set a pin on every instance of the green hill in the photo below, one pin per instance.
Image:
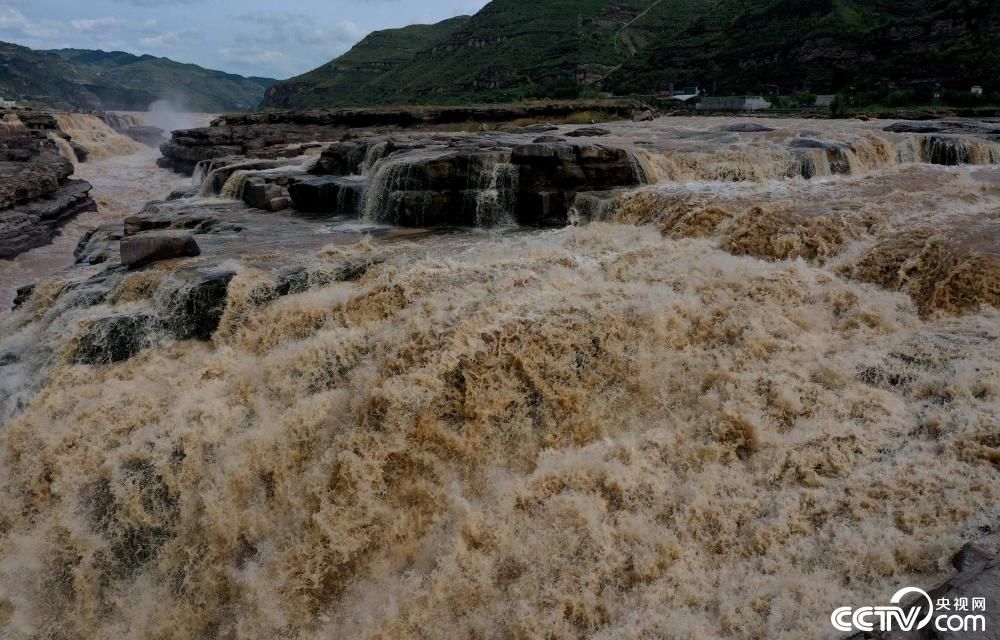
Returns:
(829, 45)
(513, 49)
(509, 50)
(352, 78)
(74, 78)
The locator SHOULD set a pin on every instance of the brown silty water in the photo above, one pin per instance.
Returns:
(124, 176)
(733, 402)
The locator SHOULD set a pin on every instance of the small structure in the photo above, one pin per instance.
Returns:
(977, 91)
(7, 104)
(825, 101)
(733, 103)
(682, 93)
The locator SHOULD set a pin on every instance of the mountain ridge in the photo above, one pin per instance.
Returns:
(117, 80)
(557, 49)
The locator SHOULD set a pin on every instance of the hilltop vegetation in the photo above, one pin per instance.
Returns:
(513, 50)
(74, 78)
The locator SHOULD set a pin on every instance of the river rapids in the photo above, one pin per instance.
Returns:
(733, 401)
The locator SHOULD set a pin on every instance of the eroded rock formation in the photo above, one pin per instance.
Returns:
(37, 195)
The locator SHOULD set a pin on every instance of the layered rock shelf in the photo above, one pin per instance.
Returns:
(37, 195)
(526, 175)
(256, 134)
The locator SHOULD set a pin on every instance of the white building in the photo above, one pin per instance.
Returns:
(733, 103)
(977, 91)
(9, 104)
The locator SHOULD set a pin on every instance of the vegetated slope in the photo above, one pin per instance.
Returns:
(509, 50)
(828, 45)
(570, 48)
(75, 78)
(351, 78)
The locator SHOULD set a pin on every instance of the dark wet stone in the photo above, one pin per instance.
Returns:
(328, 194)
(747, 127)
(23, 295)
(196, 307)
(113, 339)
(141, 250)
(589, 132)
(79, 151)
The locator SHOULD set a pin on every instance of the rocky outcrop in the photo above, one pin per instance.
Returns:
(966, 127)
(747, 127)
(191, 311)
(114, 338)
(405, 117)
(336, 195)
(265, 134)
(144, 249)
(406, 177)
(149, 136)
(978, 576)
(37, 195)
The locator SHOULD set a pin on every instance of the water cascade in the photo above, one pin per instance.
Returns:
(378, 151)
(64, 147)
(213, 176)
(11, 125)
(201, 171)
(955, 151)
(643, 167)
(392, 177)
(94, 135)
(496, 193)
(234, 186)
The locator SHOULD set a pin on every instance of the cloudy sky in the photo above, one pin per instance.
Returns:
(274, 38)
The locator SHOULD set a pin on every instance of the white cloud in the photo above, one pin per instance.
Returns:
(11, 18)
(253, 56)
(99, 25)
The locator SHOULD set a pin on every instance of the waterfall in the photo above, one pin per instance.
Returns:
(643, 168)
(65, 150)
(201, 171)
(496, 193)
(234, 186)
(212, 182)
(94, 135)
(374, 154)
(955, 151)
(594, 207)
(390, 177)
(11, 124)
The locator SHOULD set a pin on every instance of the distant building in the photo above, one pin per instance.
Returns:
(825, 101)
(685, 93)
(977, 91)
(733, 103)
(7, 104)
(681, 97)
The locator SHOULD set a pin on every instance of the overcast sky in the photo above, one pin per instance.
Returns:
(274, 38)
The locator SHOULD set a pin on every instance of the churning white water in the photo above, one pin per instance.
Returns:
(737, 400)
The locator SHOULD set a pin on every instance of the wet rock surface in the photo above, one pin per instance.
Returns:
(747, 127)
(700, 270)
(147, 248)
(149, 136)
(946, 126)
(443, 179)
(261, 134)
(37, 195)
(978, 576)
(35, 222)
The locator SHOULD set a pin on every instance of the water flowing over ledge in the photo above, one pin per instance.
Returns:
(726, 372)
